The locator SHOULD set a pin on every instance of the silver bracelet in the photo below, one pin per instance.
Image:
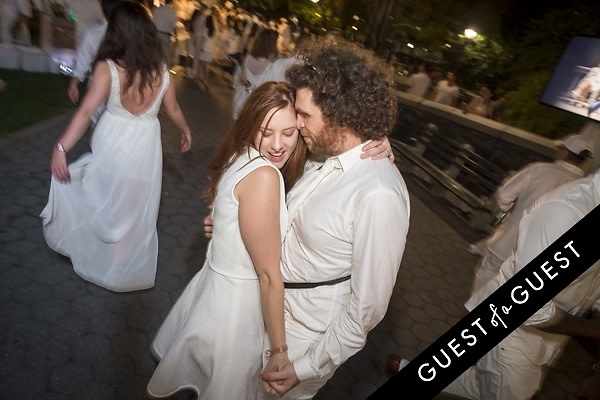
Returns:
(60, 147)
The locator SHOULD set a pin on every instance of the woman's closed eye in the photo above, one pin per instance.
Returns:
(290, 132)
(286, 132)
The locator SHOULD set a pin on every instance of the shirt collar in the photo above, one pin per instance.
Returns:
(351, 157)
(570, 167)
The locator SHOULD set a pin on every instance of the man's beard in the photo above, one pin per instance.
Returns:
(326, 143)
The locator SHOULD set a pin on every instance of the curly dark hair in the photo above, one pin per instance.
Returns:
(350, 85)
(132, 41)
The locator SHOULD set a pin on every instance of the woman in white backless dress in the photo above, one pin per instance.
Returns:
(103, 208)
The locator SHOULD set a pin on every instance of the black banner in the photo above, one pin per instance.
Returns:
(498, 315)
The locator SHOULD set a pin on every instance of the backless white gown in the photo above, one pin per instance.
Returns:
(105, 218)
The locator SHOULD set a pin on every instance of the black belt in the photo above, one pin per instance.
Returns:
(310, 285)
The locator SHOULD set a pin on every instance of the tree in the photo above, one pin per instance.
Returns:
(537, 53)
(478, 61)
(271, 9)
(428, 25)
(516, 51)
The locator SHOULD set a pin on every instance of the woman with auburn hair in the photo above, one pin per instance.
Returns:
(103, 208)
(212, 340)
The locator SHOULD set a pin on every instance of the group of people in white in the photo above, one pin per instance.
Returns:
(230, 325)
(302, 279)
(16, 16)
(447, 91)
(202, 35)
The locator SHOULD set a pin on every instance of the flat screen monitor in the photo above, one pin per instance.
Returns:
(575, 83)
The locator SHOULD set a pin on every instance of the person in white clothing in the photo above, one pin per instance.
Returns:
(519, 192)
(482, 104)
(240, 281)
(165, 19)
(260, 65)
(207, 54)
(198, 31)
(419, 82)
(285, 41)
(232, 46)
(338, 267)
(14, 17)
(103, 208)
(515, 368)
(87, 48)
(87, 13)
(446, 91)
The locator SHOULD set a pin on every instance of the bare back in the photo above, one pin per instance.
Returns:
(131, 99)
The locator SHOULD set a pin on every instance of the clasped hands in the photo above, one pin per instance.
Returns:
(278, 376)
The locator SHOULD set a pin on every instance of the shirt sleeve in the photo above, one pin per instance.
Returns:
(379, 237)
(86, 51)
(509, 191)
(538, 230)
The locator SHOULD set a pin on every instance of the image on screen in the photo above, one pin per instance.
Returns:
(575, 83)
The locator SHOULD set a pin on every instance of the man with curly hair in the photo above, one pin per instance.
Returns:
(347, 227)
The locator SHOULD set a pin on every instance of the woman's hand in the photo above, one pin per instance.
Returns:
(186, 141)
(378, 149)
(58, 166)
(276, 363)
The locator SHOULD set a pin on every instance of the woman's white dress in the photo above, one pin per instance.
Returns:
(212, 340)
(209, 49)
(105, 218)
(264, 71)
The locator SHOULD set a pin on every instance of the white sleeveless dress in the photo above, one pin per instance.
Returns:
(105, 218)
(212, 340)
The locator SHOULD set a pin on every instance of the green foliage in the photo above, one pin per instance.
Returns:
(537, 53)
(31, 98)
(271, 9)
(327, 14)
(478, 61)
(545, 39)
(524, 110)
(519, 65)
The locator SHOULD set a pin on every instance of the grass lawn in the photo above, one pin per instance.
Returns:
(31, 98)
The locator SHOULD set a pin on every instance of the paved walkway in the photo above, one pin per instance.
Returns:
(63, 338)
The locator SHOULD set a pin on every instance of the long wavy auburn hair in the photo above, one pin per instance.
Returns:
(240, 137)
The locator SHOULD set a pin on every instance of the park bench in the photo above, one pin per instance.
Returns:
(452, 170)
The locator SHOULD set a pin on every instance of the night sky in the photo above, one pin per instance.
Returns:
(516, 13)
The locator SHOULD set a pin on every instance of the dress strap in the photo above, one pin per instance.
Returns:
(114, 77)
(112, 67)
